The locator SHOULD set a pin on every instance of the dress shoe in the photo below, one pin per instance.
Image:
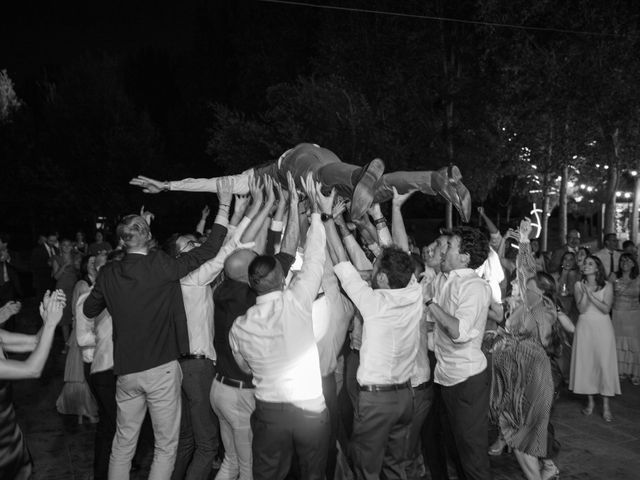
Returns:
(447, 182)
(362, 197)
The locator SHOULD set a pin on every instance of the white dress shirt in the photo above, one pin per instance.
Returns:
(390, 331)
(240, 185)
(466, 296)
(491, 270)
(605, 257)
(198, 297)
(331, 315)
(275, 337)
(97, 331)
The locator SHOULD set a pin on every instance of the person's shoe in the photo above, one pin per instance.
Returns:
(635, 381)
(362, 197)
(588, 410)
(447, 182)
(498, 447)
(607, 416)
(549, 471)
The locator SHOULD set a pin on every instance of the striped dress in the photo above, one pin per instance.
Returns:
(522, 385)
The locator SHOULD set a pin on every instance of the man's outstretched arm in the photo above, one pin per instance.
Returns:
(150, 185)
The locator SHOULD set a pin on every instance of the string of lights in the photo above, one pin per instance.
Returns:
(441, 19)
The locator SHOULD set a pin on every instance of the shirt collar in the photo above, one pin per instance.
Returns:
(462, 272)
(269, 297)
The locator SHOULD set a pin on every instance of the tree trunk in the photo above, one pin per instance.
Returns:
(609, 220)
(544, 220)
(636, 206)
(562, 219)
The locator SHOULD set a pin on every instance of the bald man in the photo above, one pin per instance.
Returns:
(232, 392)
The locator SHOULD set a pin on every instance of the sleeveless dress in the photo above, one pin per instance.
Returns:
(594, 364)
(15, 460)
(626, 325)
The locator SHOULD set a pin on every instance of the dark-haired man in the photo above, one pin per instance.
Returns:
(274, 341)
(459, 308)
(391, 309)
(362, 185)
(609, 255)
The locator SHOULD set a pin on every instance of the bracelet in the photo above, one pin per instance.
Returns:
(223, 205)
(380, 221)
(166, 185)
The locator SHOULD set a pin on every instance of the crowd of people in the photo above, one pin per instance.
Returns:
(315, 340)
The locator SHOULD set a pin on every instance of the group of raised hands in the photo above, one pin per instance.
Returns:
(50, 308)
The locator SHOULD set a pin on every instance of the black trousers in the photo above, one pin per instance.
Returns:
(466, 406)
(330, 391)
(279, 430)
(381, 433)
(437, 440)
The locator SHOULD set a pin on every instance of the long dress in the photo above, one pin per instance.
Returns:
(76, 397)
(594, 364)
(66, 282)
(15, 460)
(626, 325)
(522, 384)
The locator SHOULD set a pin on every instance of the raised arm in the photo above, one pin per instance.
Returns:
(335, 246)
(353, 248)
(51, 312)
(291, 237)
(397, 222)
(258, 211)
(210, 185)
(203, 220)
(382, 230)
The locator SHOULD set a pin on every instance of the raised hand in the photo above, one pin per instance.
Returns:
(325, 203)
(338, 207)
(224, 187)
(51, 307)
(481, 211)
(268, 186)
(148, 185)
(241, 203)
(525, 229)
(294, 198)
(255, 189)
(205, 212)
(147, 215)
(310, 190)
(398, 199)
(8, 310)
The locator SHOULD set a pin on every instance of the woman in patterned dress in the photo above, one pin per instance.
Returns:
(522, 387)
(15, 460)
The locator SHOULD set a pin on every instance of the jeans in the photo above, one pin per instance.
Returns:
(157, 389)
(234, 407)
(198, 442)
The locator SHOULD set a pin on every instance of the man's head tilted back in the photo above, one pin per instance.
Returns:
(134, 232)
(266, 274)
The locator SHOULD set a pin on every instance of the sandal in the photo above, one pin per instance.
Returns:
(607, 416)
(550, 472)
(588, 410)
(498, 447)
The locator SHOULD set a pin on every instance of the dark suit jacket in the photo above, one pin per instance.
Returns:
(143, 296)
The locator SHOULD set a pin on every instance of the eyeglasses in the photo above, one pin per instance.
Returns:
(190, 243)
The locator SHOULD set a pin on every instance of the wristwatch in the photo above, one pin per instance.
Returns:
(325, 217)
(428, 302)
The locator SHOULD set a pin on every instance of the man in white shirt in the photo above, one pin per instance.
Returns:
(391, 313)
(460, 308)
(609, 255)
(274, 340)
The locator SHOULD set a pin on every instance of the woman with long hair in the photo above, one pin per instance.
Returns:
(65, 271)
(15, 460)
(626, 317)
(594, 365)
(75, 397)
(522, 388)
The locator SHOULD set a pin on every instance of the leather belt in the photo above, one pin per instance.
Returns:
(192, 356)
(384, 388)
(232, 382)
(423, 386)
